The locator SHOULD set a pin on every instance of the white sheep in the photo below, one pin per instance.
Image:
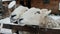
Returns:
(30, 17)
(46, 21)
(38, 17)
(33, 16)
(17, 13)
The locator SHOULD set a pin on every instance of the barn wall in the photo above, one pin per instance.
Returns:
(39, 4)
(52, 5)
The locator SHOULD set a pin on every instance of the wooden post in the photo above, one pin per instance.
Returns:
(28, 3)
(22, 2)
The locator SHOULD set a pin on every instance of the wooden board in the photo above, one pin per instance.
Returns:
(31, 29)
(21, 28)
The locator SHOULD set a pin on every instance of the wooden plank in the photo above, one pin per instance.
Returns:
(21, 28)
(32, 29)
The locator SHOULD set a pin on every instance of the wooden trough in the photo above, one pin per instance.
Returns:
(31, 29)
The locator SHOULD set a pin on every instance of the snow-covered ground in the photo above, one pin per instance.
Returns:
(55, 17)
(6, 20)
(5, 31)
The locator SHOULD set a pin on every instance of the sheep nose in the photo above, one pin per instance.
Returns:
(21, 19)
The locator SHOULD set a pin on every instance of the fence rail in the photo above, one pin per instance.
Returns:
(32, 29)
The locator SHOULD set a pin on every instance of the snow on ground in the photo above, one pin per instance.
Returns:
(55, 17)
(6, 20)
(6, 31)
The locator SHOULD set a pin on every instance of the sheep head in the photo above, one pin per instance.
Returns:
(43, 16)
(45, 12)
(17, 13)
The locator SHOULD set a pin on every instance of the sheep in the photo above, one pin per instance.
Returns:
(46, 21)
(17, 13)
(38, 17)
(14, 17)
(30, 17)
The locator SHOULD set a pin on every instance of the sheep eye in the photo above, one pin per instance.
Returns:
(20, 19)
(13, 15)
(38, 12)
